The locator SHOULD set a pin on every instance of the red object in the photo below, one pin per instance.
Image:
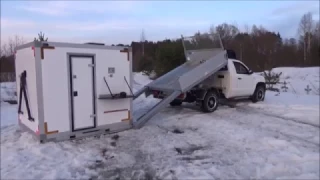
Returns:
(37, 131)
(181, 96)
(34, 52)
(155, 93)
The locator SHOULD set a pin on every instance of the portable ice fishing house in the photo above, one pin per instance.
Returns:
(68, 91)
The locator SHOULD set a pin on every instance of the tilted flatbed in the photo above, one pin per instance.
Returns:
(201, 63)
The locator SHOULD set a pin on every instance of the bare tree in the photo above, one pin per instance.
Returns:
(293, 43)
(7, 49)
(316, 30)
(1, 52)
(227, 32)
(246, 29)
(142, 39)
(212, 29)
(304, 31)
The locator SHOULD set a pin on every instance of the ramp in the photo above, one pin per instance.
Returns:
(205, 56)
(155, 109)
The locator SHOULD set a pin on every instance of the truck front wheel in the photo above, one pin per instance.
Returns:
(210, 102)
(258, 94)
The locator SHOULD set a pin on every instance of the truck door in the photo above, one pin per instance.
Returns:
(244, 79)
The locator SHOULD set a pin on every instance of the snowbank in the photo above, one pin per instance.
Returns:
(7, 91)
(298, 79)
(308, 73)
(139, 80)
(8, 115)
(300, 108)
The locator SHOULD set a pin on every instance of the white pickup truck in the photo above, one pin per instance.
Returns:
(234, 81)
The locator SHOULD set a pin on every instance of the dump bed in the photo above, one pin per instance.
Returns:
(204, 58)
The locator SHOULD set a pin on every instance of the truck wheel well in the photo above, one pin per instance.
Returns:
(214, 90)
(219, 92)
(203, 92)
(261, 84)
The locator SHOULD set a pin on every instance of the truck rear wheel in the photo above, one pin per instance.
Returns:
(258, 94)
(210, 102)
(176, 102)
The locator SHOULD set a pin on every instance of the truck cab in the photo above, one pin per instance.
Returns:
(234, 81)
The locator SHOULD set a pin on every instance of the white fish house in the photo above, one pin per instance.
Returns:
(68, 91)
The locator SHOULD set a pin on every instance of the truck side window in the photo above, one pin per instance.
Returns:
(240, 68)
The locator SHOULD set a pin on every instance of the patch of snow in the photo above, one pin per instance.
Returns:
(7, 91)
(291, 98)
(8, 114)
(308, 73)
(298, 79)
(139, 80)
(24, 158)
(274, 139)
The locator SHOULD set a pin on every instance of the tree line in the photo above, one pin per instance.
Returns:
(257, 47)
(7, 52)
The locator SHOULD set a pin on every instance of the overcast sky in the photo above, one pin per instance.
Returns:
(115, 22)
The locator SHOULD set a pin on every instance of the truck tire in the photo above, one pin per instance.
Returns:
(259, 94)
(176, 103)
(210, 102)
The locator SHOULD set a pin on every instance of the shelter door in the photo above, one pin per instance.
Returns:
(82, 71)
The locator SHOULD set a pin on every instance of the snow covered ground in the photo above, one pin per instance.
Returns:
(298, 79)
(8, 91)
(277, 138)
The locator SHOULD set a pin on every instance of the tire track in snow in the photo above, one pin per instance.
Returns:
(218, 149)
(278, 116)
(225, 147)
(244, 119)
(245, 110)
(241, 119)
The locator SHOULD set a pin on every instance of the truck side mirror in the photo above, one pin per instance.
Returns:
(250, 71)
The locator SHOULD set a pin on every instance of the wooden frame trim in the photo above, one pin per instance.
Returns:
(129, 117)
(46, 129)
(42, 50)
(117, 110)
(126, 50)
